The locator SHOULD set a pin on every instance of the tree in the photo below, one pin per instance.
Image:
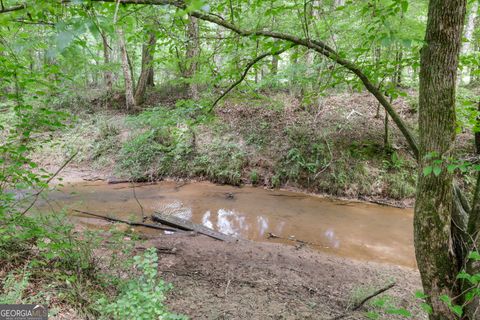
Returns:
(127, 70)
(147, 69)
(469, 30)
(434, 200)
(193, 51)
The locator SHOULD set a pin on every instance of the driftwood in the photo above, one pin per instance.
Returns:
(117, 181)
(299, 241)
(186, 225)
(135, 224)
(361, 303)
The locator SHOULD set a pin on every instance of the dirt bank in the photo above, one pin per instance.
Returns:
(247, 280)
(334, 147)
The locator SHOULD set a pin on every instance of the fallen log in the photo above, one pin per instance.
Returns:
(118, 181)
(186, 225)
(134, 224)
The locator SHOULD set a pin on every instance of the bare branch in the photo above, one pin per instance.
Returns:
(316, 45)
(245, 72)
(14, 8)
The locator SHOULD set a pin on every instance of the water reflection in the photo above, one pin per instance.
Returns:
(262, 225)
(237, 224)
(227, 221)
(206, 220)
(330, 235)
(358, 230)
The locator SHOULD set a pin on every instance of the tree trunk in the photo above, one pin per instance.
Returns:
(473, 267)
(151, 77)
(467, 46)
(147, 60)
(274, 66)
(193, 51)
(127, 72)
(434, 202)
(399, 67)
(107, 75)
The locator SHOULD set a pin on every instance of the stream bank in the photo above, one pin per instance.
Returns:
(250, 280)
(265, 278)
(270, 141)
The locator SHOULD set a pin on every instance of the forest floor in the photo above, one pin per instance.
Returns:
(218, 280)
(248, 280)
(332, 146)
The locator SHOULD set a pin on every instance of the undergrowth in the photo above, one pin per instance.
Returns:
(257, 141)
(44, 261)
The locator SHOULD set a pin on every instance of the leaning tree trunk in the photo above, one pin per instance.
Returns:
(147, 60)
(193, 51)
(434, 202)
(127, 72)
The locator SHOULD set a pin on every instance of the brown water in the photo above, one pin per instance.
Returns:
(350, 229)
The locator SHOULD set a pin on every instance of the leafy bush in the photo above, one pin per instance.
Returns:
(107, 141)
(141, 298)
(163, 143)
(221, 162)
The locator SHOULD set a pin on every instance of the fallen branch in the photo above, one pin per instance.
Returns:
(134, 224)
(361, 303)
(302, 242)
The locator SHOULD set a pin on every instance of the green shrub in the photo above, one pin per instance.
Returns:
(254, 177)
(138, 156)
(222, 163)
(400, 185)
(106, 143)
(142, 297)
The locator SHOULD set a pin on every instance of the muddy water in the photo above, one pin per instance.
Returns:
(350, 229)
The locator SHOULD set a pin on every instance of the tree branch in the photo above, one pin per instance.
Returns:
(316, 45)
(133, 224)
(361, 303)
(14, 8)
(37, 194)
(245, 72)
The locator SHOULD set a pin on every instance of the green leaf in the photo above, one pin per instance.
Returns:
(446, 299)
(437, 171)
(420, 295)
(474, 255)
(458, 310)
(469, 296)
(451, 168)
(401, 312)
(427, 170)
(426, 307)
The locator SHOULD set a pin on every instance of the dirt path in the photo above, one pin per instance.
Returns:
(247, 280)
